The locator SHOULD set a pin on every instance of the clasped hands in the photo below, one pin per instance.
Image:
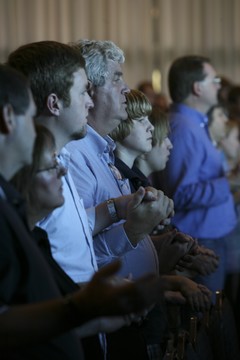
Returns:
(144, 209)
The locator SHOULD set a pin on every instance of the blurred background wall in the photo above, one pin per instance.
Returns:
(151, 32)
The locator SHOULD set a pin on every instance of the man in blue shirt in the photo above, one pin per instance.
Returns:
(194, 176)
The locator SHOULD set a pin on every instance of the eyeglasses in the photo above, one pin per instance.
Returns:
(216, 80)
(50, 169)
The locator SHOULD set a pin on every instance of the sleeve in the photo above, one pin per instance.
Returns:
(185, 174)
(111, 244)
(84, 178)
(113, 241)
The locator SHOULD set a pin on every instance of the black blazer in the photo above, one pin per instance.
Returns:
(25, 278)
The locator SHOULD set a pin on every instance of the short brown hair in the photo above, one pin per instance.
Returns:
(49, 66)
(183, 72)
(14, 90)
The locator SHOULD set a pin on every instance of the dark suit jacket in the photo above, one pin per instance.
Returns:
(25, 278)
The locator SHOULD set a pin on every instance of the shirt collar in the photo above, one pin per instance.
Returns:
(64, 157)
(102, 144)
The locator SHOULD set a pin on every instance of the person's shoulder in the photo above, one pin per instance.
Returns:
(85, 146)
(180, 123)
(78, 145)
(184, 121)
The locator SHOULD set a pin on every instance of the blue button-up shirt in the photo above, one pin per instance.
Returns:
(194, 178)
(91, 166)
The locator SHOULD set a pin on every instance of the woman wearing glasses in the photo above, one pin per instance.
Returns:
(41, 186)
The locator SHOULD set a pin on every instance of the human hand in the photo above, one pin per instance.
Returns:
(174, 297)
(170, 249)
(154, 193)
(197, 295)
(104, 296)
(185, 238)
(200, 260)
(121, 202)
(143, 215)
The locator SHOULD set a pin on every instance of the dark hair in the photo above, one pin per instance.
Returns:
(211, 111)
(49, 65)
(23, 180)
(234, 95)
(14, 90)
(183, 73)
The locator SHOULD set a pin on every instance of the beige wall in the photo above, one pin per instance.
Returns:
(151, 32)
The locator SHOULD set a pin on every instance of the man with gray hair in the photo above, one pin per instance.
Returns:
(92, 159)
(97, 179)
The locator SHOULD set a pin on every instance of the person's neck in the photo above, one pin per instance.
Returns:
(194, 103)
(98, 128)
(33, 218)
(214, 139)
(52, 124)
(101, 123)
(142, 165)
(61, 141)
(8, 168)
(125, 155)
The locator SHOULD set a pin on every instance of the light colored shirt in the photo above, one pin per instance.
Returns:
(194, 177)
(69, 230)
(96, 181)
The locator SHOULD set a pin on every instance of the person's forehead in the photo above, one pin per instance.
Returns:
(32, 106)
(114, 68)
(209, 69)
(80, 77)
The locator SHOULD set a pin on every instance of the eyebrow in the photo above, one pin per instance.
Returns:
(86, 86)
(118, 73)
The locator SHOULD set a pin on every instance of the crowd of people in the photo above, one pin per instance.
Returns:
(114, 204)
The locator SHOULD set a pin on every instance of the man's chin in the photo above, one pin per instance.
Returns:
(79, 134)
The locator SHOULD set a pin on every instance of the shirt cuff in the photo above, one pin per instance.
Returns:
(117, 241)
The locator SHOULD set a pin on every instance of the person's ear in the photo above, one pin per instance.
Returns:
(7, 119)
(197, 88)
(53, 104)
